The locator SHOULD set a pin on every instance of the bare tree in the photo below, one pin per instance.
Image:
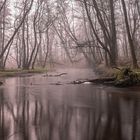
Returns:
(130, 39)
(28, 6)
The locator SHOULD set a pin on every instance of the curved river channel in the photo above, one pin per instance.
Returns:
(35, 108)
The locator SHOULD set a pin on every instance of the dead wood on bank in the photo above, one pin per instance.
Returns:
(54, 75)
(124, 78)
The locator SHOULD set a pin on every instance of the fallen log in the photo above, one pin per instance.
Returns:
(54, 75)
(106, 80)
(124, 78)
(58, 83)
(102, 80)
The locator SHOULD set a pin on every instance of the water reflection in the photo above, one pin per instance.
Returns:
(108, 116)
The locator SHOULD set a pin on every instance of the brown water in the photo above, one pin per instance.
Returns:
(32, 108)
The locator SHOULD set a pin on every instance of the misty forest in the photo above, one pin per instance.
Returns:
(69, 69)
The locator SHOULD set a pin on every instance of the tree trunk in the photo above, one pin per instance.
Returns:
(113, 47)
(130, 40)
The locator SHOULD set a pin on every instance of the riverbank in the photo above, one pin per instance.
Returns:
(20, 72)
(109, 72)
(105, 71)
(122, 76)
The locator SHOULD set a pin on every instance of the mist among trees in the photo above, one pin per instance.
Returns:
(34, 33)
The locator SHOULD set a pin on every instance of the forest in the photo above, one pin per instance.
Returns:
(34, 33)
(72, 42)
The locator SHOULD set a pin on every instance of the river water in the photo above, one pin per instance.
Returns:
(35, 108)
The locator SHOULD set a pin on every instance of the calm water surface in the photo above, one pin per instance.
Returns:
(34, 108)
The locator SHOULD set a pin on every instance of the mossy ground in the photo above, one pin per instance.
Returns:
(108, 72)
(124, 76)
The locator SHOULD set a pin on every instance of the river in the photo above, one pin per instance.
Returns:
(36, 108)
